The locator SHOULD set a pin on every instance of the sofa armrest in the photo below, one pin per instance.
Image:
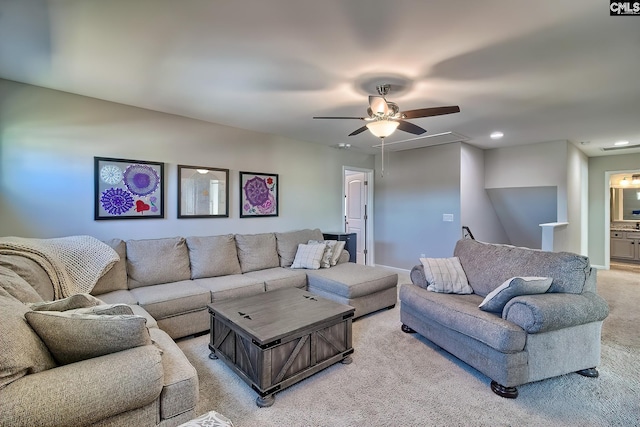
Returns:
(553, 311)
(344, 257)
(418, 277)
(84, 392)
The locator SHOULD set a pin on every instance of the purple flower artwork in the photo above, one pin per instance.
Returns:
(128, 189)
(259, 194)
(116, 201)
(141, 180)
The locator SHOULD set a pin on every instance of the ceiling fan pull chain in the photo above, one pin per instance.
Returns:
(382, 170)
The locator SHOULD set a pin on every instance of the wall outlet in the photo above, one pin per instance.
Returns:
(423, 256)
(447, 217)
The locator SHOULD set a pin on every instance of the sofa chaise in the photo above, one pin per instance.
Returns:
(535, 336)
(168, 282)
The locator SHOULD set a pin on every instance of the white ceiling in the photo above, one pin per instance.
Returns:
(540, 70)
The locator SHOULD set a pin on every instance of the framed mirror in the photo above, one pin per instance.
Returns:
(203, 192)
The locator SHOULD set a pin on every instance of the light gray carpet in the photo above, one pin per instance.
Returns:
(398, 379)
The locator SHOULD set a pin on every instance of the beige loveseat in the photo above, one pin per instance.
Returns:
(169, 282)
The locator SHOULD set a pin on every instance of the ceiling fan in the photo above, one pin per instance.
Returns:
(385, 116)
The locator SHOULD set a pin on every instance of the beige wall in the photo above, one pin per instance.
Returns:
(48, 140)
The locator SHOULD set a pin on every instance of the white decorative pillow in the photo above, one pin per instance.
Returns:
(337, 251)
(445, 275)
(516, 286)
(328, 251)
(71, 337)
(309, 256)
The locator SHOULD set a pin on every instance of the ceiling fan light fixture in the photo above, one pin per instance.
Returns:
(382, 128)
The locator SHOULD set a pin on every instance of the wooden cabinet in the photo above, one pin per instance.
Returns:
(625, 245)
(350, 242)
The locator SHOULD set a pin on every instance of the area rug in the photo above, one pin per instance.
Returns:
(399, 379)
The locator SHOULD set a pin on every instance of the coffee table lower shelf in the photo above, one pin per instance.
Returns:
(273, 366)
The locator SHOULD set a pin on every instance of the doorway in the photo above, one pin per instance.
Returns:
(622, 216)
(357, 209)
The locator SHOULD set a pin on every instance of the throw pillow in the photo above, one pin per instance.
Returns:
(68, 303)
(17, 287)
(22, 352)
(105, 309)
(337, 251)
(325, 262)
(287, 243)
(71, 337)
(516, 286)
(308, 256)
(445, 275)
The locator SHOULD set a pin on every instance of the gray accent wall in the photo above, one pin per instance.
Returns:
(547, 164)
(48, 140)
(521, 211)
(477, 211)
(418, 187)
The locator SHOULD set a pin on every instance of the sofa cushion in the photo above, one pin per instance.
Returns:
(257, 251)
(157, 261)
(287, 243)
(278, 277)
(172, 299)
(16, 286)
(445, 275)
(486, 269)
(71, 337)
(31, 272)
(309, 256)
(22, 351)
(232, 286)
(516, 286)
(460, 313)
(350, 280)
(68, 303)
(116, 277)
(213, 256)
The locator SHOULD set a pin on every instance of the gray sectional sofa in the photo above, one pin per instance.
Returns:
(169, 282)
(534, 337)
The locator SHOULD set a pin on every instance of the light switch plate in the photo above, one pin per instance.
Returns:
(447, 217)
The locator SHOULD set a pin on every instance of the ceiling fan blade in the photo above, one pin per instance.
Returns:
(378, 105)
(410, 127)
(428, 112)
(349, 118)
(358, 131)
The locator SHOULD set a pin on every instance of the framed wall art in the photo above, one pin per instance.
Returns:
(128, 189)
(203, 192)
(258, 194)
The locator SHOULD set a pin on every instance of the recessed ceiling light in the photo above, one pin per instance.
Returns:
(496, 135)
(621, 143)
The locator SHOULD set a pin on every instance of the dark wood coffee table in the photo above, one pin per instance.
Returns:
(278, 338)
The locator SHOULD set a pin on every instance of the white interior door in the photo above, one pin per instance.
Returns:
(356, 211)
